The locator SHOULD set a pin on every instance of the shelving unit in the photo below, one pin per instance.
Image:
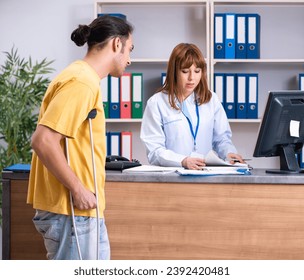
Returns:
(281, 39)
(282, 55)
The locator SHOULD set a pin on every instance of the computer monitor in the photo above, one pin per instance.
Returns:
(281, 132)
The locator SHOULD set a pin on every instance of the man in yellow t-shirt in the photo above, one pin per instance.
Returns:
(64, 111)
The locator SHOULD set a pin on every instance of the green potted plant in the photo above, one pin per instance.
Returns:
(22, 86)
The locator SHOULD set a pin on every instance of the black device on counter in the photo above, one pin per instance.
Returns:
(281, 132)
(120, 163)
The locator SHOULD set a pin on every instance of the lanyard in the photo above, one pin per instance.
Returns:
(194, 134)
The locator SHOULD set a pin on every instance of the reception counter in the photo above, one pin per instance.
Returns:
(167, 216)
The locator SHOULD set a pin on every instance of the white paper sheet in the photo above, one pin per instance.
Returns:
(212, 159)
(151, 168)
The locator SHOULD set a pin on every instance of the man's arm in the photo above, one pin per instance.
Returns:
(46, 144)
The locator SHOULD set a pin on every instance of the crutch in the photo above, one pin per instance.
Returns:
(91, 116)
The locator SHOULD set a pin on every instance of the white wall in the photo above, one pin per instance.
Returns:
(42, 28)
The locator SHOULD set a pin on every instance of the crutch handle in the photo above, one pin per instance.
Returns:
(92, 114)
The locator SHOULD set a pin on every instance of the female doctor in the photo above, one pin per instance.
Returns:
(185, 120)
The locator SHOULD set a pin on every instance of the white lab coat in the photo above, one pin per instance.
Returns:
(167, 136)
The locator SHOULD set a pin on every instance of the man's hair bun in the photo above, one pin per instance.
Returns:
(80, 35)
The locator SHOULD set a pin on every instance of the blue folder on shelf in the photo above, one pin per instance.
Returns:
(241, 35)
(219, 35)
(114, 97)
(230, 96)
(253, 36)
(114, 143)
(252, 96)
(113, 15)
(19, 167)
(301, 159)
(219, 87)
(241, 94)
(230, 36)
(163, 78)
(301, 81)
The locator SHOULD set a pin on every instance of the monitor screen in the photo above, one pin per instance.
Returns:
(281, 131)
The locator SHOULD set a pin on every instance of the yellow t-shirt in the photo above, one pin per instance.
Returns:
(65, 107)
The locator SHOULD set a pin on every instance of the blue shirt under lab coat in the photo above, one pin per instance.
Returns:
(167, 136)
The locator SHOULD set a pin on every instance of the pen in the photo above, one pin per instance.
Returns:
(236, 160)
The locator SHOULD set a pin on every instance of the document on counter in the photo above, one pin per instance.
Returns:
(215, 170)
(214, 166)
(151, 168)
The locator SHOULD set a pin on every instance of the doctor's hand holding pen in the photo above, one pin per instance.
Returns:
(234, 158)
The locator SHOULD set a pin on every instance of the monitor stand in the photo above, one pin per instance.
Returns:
(288, 162)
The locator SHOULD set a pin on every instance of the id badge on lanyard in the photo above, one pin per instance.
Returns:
(194, 133)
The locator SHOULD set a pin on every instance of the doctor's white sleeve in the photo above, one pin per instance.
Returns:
(152, 135)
